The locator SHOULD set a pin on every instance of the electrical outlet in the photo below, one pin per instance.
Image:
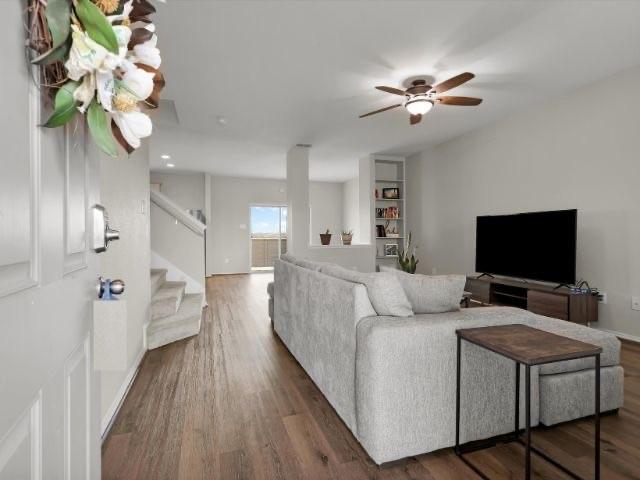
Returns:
(635, 303)
(602, 298)
(226, 260)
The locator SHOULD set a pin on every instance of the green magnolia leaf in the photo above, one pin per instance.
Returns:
(100, 128)
(97, 25)
(58, 13)
(65, 106)
(53, 55)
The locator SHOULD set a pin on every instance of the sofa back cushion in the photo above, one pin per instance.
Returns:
(384, 289)
(430, 293)
(301, 262)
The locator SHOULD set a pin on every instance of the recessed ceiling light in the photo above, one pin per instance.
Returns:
(223, 120)
(165, 157)
(170, 165)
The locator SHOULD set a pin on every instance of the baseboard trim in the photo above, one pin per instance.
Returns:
(227, 274)
(625, 336)
(112, 413)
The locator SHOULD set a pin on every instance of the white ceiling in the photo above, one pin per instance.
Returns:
(287, 72)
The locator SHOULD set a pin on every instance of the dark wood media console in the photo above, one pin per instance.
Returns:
(537, 298)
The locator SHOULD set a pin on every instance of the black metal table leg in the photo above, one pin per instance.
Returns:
(527, 389)
(458, 353)
(516, 430)
(597, 419)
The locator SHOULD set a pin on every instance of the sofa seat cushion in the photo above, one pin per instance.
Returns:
(568, 396)
(610, 344)
(385, 292)
(431, 293)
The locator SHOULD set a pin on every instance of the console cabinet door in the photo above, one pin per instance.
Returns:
(548, 304)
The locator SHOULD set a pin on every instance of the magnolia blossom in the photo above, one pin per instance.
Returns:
(147, 53)
(126, 10)
(136, 85)
(114, 79)
(95, 65)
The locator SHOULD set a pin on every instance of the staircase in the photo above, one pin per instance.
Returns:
(174, 314)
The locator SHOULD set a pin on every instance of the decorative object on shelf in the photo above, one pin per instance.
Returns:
(325, 238)
(408, 263)
(391, 193)
(380, 231)
(391, 232)
(583, 287)
(377, 194)
(347, 236)
(107, 288)
(390, 249)
(99, 58)
(388, 212)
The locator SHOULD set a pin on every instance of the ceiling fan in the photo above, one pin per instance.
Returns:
(420, 97)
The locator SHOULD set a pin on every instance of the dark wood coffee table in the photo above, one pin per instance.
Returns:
(527, 346)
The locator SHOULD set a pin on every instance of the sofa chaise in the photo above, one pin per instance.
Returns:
(392, 379)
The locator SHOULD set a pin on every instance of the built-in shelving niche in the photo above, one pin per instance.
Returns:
(389, 172)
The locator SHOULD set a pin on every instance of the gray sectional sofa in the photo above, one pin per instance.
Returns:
(392, 379)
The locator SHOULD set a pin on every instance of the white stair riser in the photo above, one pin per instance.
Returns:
(157, 281)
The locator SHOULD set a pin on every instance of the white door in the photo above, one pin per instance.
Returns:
(49, 425)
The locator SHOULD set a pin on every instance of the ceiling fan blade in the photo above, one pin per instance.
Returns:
(381, 110)
(415, 119)
(395, 91)
(453, 82)
(462, 101)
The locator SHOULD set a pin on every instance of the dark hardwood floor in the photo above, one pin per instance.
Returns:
(232, 403)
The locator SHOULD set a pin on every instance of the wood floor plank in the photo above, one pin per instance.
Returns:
(232, 403)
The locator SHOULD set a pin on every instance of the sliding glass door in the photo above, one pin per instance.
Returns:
(268, 235)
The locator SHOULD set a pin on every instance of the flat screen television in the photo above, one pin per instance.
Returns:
(537, 246)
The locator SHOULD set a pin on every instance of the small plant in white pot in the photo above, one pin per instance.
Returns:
(347, 236)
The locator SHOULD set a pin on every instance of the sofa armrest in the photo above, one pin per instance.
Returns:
(316, 317)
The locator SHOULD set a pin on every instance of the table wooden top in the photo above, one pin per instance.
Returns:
(528, 345)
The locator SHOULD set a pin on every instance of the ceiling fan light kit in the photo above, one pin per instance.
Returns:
(420, 98)
(418, 105)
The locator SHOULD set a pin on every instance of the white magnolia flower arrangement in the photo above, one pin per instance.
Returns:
(100, 58)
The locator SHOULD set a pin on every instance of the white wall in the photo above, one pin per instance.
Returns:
(229, 227)
(325, 200)
(359, 257)
(578, 151)
(351, 208)
(178, 249)
(185, 189)
(125, 195)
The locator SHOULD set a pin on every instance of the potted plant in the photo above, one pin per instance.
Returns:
(325, 238)
(347, 237)
(406, 262)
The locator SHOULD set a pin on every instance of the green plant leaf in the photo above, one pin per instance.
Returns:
(53, 55)
(65, 106)
(97, 25)
(100, 128)
(58, 13)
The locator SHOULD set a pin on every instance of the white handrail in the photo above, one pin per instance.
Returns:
(173, 209)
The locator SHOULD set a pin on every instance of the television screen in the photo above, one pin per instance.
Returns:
(537, 246)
